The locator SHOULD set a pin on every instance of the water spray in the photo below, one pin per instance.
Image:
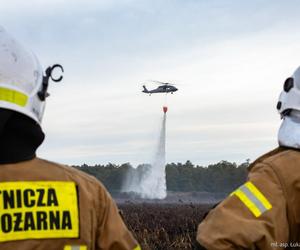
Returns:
(151, 184)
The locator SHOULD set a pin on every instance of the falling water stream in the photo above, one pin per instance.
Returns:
(151, 182)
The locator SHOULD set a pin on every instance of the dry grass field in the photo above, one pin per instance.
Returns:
(164, 226)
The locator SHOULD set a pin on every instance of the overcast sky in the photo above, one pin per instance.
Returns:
(229, 59)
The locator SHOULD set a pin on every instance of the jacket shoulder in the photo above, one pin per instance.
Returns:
(275, 155)
(70, 171)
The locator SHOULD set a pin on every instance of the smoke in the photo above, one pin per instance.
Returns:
(149, 181)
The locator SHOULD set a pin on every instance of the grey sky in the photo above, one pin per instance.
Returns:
(229, 57)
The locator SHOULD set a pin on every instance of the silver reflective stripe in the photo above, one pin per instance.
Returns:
(75, 247)
(253, 198)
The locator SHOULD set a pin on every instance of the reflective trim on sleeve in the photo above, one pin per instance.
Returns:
(137, 248)
(259, 195)
(253, 199)
(13, 96)
(75, 247)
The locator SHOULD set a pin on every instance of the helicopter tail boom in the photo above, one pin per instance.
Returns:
(145, 89)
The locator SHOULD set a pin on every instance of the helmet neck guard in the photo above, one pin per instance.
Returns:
(289, 132)
(20, 137)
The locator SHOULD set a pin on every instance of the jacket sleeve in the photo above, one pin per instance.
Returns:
(252, 217)
(112, 232)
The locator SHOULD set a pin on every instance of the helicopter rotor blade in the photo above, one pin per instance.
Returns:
(157, 82)
(164, 83)
(161, 83)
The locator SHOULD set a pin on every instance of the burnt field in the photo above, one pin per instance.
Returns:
(164, 226)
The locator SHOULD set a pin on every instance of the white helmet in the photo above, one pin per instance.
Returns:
(289, 98)
(23, 88)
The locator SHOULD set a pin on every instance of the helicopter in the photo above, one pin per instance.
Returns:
(164, 87)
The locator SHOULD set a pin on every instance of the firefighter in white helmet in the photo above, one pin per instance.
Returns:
(44, 205)
(264, 213)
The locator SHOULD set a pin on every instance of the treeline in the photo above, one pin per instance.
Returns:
(222, 177)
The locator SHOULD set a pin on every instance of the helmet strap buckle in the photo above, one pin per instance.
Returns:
(43, 94)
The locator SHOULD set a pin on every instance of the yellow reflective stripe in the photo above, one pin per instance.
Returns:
(258, 195)
(75, 247)
(248, 203)
(13, 96)
(252, 198)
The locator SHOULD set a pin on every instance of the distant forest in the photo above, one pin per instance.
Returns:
(222, 177)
